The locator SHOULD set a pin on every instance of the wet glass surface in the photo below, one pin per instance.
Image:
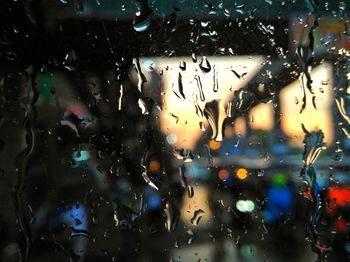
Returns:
(182, 130)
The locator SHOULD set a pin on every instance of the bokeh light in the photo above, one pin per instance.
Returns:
(242, 173)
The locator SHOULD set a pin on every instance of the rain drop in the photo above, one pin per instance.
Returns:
(204, 65)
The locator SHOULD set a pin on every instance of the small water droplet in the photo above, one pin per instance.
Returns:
(215, 80)
(181, 89)
(200, 88)
(338, 154)
(190, 191)
(190, 236)
(204, 23)
(266, 156)
(194, 58)
(182, 65)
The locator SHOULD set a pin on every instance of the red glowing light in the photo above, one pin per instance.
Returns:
(338, 197)
(342, 224)
(223, 174)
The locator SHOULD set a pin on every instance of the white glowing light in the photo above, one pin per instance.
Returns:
(245, 206)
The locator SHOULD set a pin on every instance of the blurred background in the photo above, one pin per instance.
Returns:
(174, 130)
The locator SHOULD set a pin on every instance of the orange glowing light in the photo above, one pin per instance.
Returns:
(214, 145)
(154, 166)
(242, 173)
(223, 174)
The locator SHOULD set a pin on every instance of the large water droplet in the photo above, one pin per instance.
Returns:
(197, 216)
(214, 112)
(142, 19)
(313, 145)
(142, 25)
(172, 216)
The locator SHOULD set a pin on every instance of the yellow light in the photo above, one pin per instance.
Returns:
(313, 119)
(181, 115)
(242, 173)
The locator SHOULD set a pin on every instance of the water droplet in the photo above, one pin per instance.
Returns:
(202, 126)
(70, 60)
(204, 24)
(142, 19)
(313, 145)
(209, 156)
(280, 52)
(191, 236)
(141, 80)
(227, 12)
(172, 216)
(214, 112)
(260, 172)
(243, 100)
(266, 156)
(204, 65)
(116, 218)
(194, 58)
(338, 154)
(179, 81)
(140, 76)
(342, 6)
(182, 65)
(190, 191)
(200, 88)
(81, 232)
(15, 30)
(149, 65)
(197, 216)
(215, 80)
(120, 99)
(176, 118)
(296, 100)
